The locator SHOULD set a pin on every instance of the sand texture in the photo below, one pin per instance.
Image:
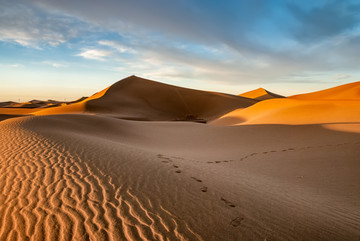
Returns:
(89, 176)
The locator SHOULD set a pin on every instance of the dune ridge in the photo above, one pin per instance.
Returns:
(335, 105)
(142, 99)
(260, 94)
(350, 91)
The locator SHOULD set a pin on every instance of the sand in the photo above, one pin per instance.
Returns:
(90, 176)
(136, 98)
(260, 94)
(335, 105)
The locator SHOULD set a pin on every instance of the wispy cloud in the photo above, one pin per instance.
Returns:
(117, 46)
(31, 26)
(55, 64)
(342, 76)
(95, 54)
(13, 65)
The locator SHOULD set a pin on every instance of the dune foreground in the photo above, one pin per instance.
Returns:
(89, 171)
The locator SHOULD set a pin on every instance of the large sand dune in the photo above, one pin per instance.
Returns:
(336, 105)
(260, 94)
(94, 177)
(142, 99)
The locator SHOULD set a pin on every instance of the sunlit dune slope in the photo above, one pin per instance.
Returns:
(260, 94)
(349, 91)
(141, 99)
(335, 105)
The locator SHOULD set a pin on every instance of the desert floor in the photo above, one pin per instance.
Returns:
(89, 176)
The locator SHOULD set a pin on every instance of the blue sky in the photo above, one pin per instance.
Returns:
(67, 49)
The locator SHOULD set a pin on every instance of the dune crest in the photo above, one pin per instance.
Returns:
(260, 94)
(335, 105)
(349, 91)
(142, 99)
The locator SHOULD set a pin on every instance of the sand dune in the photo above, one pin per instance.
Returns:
(141, 99)
(101, 178)
(260, 94)
(349, 91)
(34, 104)
(90, 176)
(336, 105)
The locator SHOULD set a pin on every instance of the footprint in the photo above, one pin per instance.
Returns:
(217, 161)
(175, 166)
(253, 154)
(210, 162)
(198, 180)
(178, 171)
(236, 222)
(176, 157)
(265, 152)
(163, 157)
(291, 149)
(230, 204)
(204, 189)
(165, 161)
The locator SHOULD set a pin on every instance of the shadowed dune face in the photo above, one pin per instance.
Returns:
(137, 98)
(260, 94)
(5, 116)
(141, 99)
(92, 177)
(336, 105)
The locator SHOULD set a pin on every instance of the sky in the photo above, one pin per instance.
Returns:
(67, 49)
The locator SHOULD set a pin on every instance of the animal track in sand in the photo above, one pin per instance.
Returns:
(178, 171)
(230, 204)
(283, 150)
(236, 222)
(196, 179)
(204, 189)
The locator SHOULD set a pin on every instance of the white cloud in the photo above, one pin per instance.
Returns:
(119, 47)
(95, 54)
(30, 26)
(55, 64)
(12, 65)
(342, 76)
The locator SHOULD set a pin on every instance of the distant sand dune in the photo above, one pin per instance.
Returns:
(260, 94)
(335, 105)
(349, 91)
(141, 99)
